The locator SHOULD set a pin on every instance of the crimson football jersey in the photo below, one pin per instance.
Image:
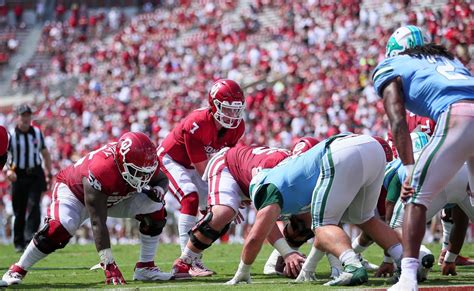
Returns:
(100, 169)
(241, 160)
(415, 123)
(196, 138)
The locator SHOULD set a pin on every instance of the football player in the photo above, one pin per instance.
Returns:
(436, 85)
(229, 174)
(116, 180)
(186, 150)
(339, 179)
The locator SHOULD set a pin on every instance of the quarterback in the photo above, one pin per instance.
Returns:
(116, 180)
(186, 150)
(427, 80)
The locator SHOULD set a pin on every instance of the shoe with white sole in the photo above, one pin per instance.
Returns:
(14, 275)
(149, 272)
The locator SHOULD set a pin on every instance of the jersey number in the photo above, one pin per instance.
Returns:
(90, 155)
(195, 127)
(447, 70)
(267, 151)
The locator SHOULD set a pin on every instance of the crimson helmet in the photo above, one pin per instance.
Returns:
(136, 159)
(303, 144)
(227, 102)
(3, 140)
(386, 148)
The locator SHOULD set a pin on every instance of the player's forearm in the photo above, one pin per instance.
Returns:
(252, 247)
(101, 235)
(402, 140)
(160, 180)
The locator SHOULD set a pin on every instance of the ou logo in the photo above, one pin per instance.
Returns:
(214, 89)
(125, 146)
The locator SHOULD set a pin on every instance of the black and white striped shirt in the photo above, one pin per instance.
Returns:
(25, 148)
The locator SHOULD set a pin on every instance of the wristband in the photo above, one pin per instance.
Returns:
(282, 247)
(106, 257)
(450, 257)
(243, 267)
(387, 259)
(409, 169)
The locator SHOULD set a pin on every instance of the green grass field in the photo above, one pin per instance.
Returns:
(69, 268)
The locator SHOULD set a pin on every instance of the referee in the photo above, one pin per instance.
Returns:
(27, 151)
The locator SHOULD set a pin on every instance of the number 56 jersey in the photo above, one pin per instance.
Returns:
(100, 169)
(430, 84)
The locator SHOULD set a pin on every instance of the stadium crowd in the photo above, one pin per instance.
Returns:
(308, 75)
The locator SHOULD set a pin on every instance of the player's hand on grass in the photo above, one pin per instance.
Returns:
(293, 264)
(448, 269)
(306, 276)
(240, 276)
(385, 270)
(113, 274)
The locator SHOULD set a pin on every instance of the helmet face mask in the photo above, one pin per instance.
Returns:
(404, 38)
(229, 115)
(227, 103)
(136, 159)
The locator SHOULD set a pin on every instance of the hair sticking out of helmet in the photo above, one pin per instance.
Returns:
(403, 38)
(227, 102)
(304, 144)
(136, 159)
(386, 148)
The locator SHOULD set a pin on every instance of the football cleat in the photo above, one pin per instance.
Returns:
(351, 276)
(366, 264)
(199, 270)
(270, 265)
(180, 269)
(426, 263)
(14, 275)
(149, 272)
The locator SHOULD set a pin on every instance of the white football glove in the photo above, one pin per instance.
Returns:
(241, 275)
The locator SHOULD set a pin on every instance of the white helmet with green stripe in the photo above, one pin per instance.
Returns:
(404, 38)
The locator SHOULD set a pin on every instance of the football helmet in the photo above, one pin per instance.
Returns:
(418, 140)
(227, 102)
(303, 144)
(404, 38)
(136, 159)
(386, 148)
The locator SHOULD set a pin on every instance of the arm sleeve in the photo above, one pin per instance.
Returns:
(268, 194)
(383, 74)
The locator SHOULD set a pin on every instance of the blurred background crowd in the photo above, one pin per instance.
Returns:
(305, 67)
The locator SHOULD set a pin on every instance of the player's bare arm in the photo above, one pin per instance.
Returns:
(395, 108)
(201, 167)
(96, 204)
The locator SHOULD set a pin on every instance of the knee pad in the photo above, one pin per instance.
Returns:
(152, 224)
(203, 227)
(51, 236)
(190, 204)
(299, 235)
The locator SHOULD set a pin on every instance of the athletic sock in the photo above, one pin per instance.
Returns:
(349, 257)
(185, 223)
(30, 256)
(148, 247)
(409, 268)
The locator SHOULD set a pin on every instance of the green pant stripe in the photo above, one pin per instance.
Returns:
(433, 153)
(394, 219)
(318, 210)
